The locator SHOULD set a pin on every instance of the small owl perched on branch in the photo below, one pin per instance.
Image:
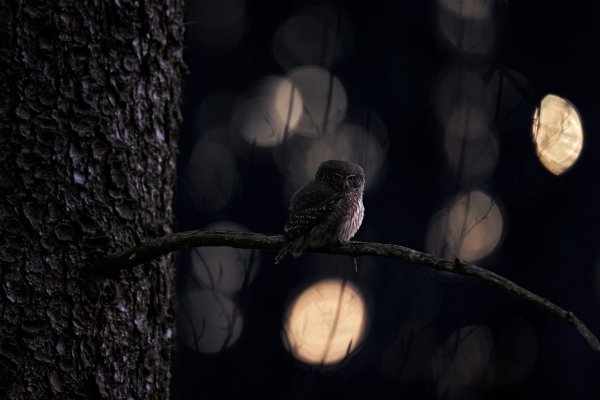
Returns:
(327, 211)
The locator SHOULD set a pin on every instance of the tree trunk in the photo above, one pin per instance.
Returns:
(89, 113)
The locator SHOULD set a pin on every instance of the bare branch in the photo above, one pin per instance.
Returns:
(249, 240)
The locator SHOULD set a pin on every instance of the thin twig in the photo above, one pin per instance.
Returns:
(249, 240)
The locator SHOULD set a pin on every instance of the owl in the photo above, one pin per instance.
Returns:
(327, 211)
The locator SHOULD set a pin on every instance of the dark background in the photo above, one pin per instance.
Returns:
(396, 55)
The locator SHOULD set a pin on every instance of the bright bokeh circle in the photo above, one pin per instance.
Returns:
(557, 133)
(325, 322)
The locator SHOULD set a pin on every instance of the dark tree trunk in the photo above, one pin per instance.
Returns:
(89, 112)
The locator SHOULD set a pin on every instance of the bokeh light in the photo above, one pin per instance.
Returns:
(324, 99)
(470, 228)
(325, 322)
(211, 176)
(516, 352)
(557, 133)
(468, 35)
(208, 321)
(208, 318)
(222, 268)
(462, 359)
(268, 114)
(456, 89)
(287, 103)
(475, 9)
(471, 146)
(318, 35)
(367, 147)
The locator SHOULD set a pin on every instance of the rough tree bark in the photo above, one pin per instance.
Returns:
(89, 113)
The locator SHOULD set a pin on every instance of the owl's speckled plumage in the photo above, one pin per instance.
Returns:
(328, 210)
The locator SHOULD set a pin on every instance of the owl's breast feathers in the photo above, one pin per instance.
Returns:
(320, 216)
(351, 222)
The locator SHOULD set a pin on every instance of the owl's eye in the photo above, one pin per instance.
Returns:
(335, 177)
(352, 180)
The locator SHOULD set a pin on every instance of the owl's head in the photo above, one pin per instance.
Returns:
(343, 176)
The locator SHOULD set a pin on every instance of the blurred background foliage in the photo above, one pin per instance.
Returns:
(437, 101)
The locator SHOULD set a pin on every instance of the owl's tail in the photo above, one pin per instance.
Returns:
(283, 252)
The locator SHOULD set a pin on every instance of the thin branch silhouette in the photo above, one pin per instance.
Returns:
(150, 250)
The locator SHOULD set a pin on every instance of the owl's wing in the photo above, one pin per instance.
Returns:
(309, 206)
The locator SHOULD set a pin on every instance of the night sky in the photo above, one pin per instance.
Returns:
(403, 71)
